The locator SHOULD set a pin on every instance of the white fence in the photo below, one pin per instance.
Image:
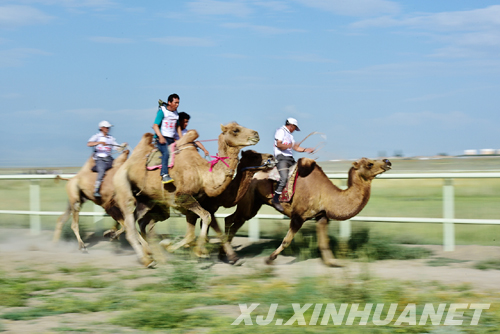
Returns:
(448, 220)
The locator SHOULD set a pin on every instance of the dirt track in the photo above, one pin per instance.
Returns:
(20, 250)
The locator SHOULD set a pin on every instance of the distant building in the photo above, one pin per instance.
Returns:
(487, 151)
(470, 152)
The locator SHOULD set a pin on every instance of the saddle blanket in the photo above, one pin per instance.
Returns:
(289, 190)
(154, 159)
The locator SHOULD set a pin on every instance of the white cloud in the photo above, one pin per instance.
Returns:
(354, 7)
(279, 6)
(15, 16)
(267, 30)
(110, 40)
(477, 19)
(184, 41)
(17, 57)
(212, 7)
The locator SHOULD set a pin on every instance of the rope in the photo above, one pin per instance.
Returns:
(267, 163)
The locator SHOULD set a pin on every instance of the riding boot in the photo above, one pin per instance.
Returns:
(276, 202)
(97, 186)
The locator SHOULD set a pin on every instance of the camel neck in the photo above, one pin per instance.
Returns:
(349, 202)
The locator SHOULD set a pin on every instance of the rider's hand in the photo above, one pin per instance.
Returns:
(309, 150)
(162, 140)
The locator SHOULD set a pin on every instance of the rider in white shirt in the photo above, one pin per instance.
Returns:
(103, 145)
(283, 145)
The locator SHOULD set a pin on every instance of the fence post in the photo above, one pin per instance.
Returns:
(345, 229)
(35, 223)
(98, 218)
(448, 215)
(253, 229)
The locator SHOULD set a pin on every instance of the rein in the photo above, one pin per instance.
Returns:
(268, 163)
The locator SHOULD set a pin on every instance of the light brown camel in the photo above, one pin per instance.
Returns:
(250, 163)
(316, 197)
(81, 188)
(194, 178)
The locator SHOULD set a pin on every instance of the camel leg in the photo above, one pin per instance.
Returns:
(60, 222)
(295, 225)
(225, 243)
(127, 204)
(75, 227)
(149, 239)
(190, 203)
(189, 237)
(324, 242)
(115, 232)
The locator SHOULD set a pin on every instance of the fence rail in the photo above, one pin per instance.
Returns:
(448, 220)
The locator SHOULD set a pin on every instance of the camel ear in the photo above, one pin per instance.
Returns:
(305, 166)
(355, 165)
(223, 128)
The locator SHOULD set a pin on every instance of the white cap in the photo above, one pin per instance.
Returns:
(293, 121)
(105, 124)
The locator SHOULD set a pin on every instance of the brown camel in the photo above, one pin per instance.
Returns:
(81, 188)
(194, 178)
(250, 163)
(315, 197)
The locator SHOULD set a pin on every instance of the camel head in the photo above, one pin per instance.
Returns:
(251, 160)
(236, 135)
(368, 168)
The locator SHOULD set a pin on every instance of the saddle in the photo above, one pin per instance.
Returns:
(154, 158)
(289, 190)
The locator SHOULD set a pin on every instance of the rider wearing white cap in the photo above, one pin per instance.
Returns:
(283, 145)
(103, 144)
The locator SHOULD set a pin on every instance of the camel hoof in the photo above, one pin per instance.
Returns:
(151, 265)
(232, 260)
(269, 261)
(238, 263)
(201, 252)
(109, 234)
(333, 264)
(166, 243)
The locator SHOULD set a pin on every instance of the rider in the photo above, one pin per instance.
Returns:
(103, 144)
(183, 123)
(166, 127)
(283, 145)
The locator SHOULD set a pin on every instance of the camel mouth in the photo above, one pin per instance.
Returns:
(387, 166)
(253, 140)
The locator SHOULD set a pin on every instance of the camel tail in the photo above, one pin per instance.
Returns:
(58, 178)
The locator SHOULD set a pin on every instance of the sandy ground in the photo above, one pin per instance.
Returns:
(20, 250)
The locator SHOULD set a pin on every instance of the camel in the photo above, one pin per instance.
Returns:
(194, 177)
(316, 197)
(250, 163)
(81, 188)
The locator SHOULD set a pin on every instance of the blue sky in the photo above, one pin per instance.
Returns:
(374, 76)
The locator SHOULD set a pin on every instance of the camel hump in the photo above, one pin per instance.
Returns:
(189, 137)
(305, 166)
(148, 136)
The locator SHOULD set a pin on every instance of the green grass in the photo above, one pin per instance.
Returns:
(488, 264)
(188, 297)
(443, 261)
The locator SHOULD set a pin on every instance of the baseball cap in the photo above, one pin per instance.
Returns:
(294, 122)
(105, 124)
